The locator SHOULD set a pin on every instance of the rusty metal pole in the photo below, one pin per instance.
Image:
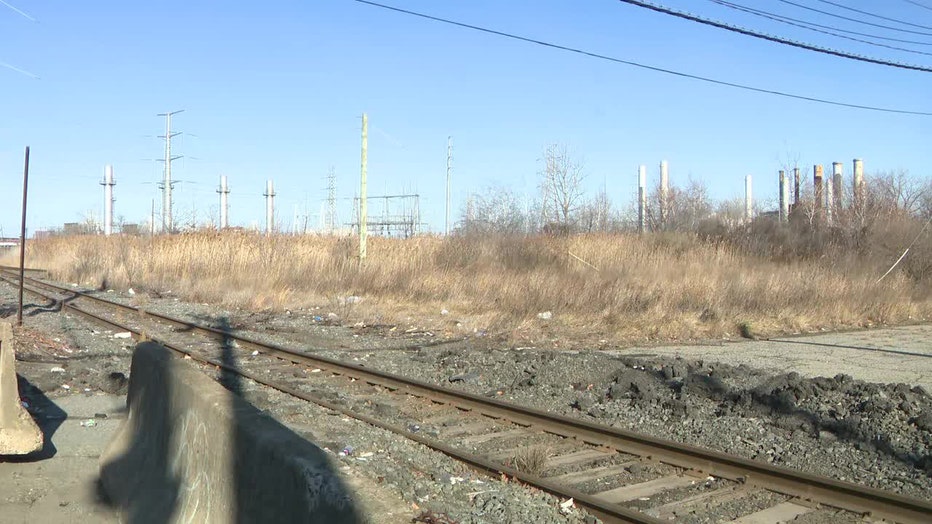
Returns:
(22, 242)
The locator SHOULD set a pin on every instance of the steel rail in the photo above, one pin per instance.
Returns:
(808, 487)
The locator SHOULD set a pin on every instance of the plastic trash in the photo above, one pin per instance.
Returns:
(89, 423)
(546, 315)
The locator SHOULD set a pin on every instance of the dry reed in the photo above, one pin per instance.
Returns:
(601, 289)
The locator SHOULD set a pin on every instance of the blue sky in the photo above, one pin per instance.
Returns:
(275, 90)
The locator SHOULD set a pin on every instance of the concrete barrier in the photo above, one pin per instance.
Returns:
(19, 434)
(191, 451)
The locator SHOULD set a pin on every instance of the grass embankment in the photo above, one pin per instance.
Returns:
(616, 289)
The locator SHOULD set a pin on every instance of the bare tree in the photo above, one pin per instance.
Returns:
(895, 193)
(497, 210)
(561, 186)
(596, 215)
(686, 207)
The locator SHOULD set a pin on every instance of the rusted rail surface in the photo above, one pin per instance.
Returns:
(805, 487)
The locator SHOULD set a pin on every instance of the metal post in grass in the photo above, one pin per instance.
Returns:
(362, 187)
(642, 199)
(22, 242)
(784, 197)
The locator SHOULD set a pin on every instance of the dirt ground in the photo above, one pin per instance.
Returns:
(852, 406)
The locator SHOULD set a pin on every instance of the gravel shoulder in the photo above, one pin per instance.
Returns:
(896, 354)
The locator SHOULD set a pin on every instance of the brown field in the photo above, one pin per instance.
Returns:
(601, 289)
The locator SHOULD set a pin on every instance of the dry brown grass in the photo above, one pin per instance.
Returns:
(629, 289)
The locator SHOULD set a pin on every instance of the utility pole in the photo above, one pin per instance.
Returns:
(362, 187)
(22, 242)
(224, 205)
(269, 208)
(108, 184)
(642, 199)
(664, 193)
(152, 220)
(167, 183)
(449, 175)
(331, 200)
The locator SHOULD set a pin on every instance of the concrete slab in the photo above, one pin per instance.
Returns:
(192, 451)
(19, 434)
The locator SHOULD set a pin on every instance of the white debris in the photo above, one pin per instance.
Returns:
(65, 386)
(315, 370)
(124, 334)
(255, 353)
(353, 299)
(567, 506)
(444, 312)
(546, 315)
(130, 291)
(57, 369)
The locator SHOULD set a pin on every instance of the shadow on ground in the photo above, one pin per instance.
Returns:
(48, 416)
(262, 484)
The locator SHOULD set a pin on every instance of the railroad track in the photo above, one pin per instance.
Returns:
(617, 475)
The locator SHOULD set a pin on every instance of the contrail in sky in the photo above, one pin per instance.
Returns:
(25, 14)
(18, 70)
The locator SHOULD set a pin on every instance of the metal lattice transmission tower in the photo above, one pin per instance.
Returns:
(108, 184)
(269, 207)
(331, 200)
(167, 184)
(401, 216)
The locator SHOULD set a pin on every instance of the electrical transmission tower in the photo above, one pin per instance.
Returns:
(167, 184)
(331, 200)
(269, 208)
(108, 184)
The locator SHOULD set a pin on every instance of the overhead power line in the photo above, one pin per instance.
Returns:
(846, 8)
(814, 27)
(835, 15)
(774, 16)
(918, 4)
(640, 65)
(771, 38)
